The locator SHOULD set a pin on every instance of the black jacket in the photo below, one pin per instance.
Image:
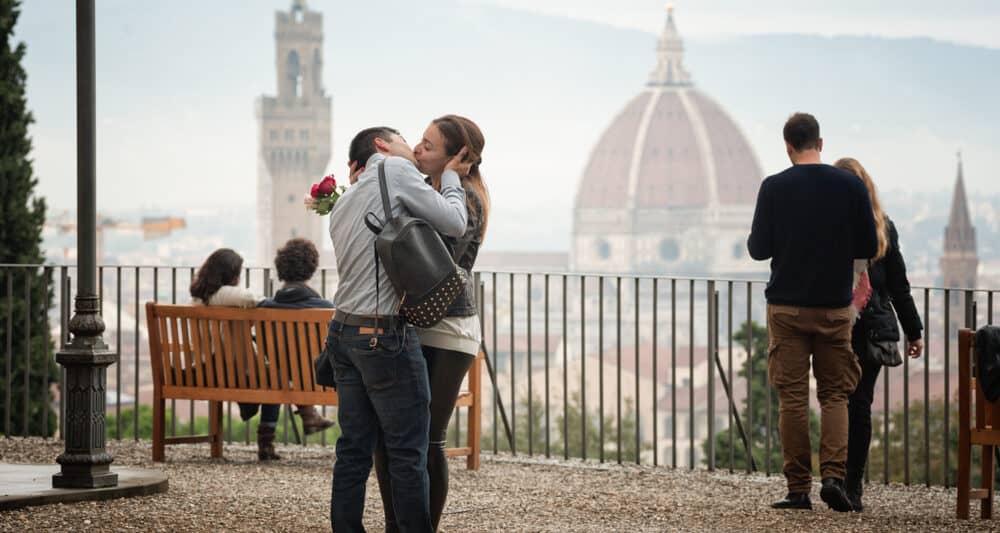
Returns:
(890, 291)
(296, 296)
(988, 361)
(465, 303)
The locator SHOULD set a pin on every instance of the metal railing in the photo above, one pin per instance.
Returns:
(600, 367)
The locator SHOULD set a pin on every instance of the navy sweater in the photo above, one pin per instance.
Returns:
(812, 221)
(296, 296)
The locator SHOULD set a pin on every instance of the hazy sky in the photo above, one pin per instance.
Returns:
(177, 83)
(962, 21)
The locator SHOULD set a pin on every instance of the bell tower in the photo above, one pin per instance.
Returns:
(293, 133)
(960, 261)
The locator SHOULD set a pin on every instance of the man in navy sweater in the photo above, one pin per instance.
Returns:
(812, 221)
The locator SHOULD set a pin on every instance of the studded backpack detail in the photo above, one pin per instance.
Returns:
(417, 262)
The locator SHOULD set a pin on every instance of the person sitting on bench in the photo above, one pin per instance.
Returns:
(217, 284)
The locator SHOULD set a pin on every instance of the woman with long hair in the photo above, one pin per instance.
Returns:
(890, 289)
(217, 284)
(451, 346)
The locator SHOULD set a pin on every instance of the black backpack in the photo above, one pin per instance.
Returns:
(419, 265)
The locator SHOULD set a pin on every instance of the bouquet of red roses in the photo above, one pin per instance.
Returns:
(324, 195)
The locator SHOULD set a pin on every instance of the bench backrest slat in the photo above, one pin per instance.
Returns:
(268, 333)
(216, 353)
(175, 351)
(295, 346)
(249, 354)
(205, 363)
(314, 347)
(262, 381)
(198, 343)
(189, 362)
(281, 343)
(236, 354)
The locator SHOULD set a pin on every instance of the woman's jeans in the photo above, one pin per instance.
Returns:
(859, 433)
(381, 388)
(447, 370)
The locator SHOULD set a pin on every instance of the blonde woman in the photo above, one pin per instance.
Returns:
(890, 291)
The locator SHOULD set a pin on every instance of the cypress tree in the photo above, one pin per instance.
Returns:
(26, 347)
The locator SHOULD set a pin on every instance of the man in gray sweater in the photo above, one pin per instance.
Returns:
(379, 368)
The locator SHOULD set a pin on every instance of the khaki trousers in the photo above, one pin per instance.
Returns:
(825, 334)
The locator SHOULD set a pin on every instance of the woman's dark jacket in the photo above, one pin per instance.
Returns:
(296, 296)
(890, 290)
(467, 246)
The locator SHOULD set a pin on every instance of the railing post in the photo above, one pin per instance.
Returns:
(583, 368)
(600, 365)
(513, 373)
(691, 427)
(638, 403)
(710, 355)
(10, 350)
(654, 396)
(548, 441)
(947, 387)
(85, 463)
(927, 395)
(749, 377)
(673, 373)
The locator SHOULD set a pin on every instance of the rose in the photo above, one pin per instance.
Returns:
(314, 192)
(327, 186)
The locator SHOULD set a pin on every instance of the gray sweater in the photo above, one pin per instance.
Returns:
(353, 242)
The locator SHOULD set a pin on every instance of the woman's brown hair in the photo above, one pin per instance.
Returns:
(881, 226)
(459, 131)
(220, 269)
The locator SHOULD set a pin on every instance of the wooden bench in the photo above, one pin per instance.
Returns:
(983, 430)
(223, 354)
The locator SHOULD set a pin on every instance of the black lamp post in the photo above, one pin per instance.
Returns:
(85, 463)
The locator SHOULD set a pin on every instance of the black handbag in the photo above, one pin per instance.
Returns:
(882, 343)
(417, 262)
(885, 353)
(323, 364)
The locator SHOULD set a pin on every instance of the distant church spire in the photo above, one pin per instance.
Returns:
(960, 260)
(669, 70)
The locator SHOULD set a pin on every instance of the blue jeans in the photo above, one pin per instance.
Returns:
(382, 388)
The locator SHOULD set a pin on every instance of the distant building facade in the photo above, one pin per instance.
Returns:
(294, 133)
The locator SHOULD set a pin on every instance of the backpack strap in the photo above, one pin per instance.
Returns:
(384, 188)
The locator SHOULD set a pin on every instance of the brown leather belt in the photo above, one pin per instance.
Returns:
(368, 321)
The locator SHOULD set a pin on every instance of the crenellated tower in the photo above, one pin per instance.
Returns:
(293, 133)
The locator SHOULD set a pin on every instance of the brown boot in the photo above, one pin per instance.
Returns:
(265, 444)
(312, 421)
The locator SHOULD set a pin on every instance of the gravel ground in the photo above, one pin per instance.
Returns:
(507, 494)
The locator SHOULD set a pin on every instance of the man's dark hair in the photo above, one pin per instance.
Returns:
(363, 144)
(802, 132)
(297, 260)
